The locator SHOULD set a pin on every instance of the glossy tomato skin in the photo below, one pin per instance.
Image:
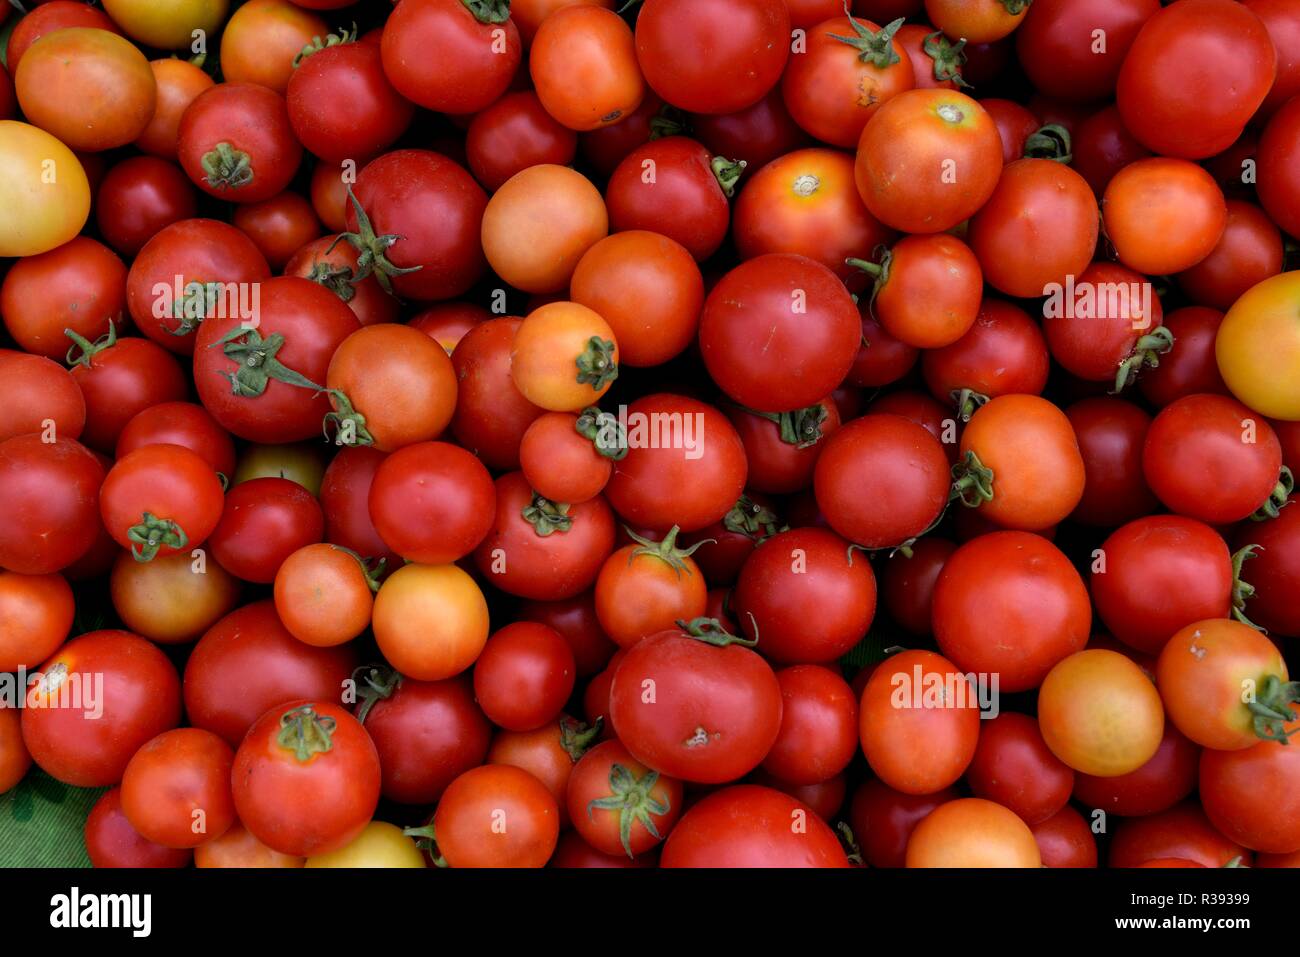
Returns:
(120, 377)
(336, 268)
(1277, 183)
(1163, 215)
(1249, 251)
(1189, 367)
(576, 621)
(46, 18)
(251, 650)
(111, 841)
(78, 285)
(1011, 604)
(1107, 333)
(757, 134)
(51, 490)
(1182, 831)
(37, 612)
(715, 713)
(1065, 840)
(512, 134)
(972, 832)
(802, 347)
(253, 123)
(430, 621)
(179, 82)
(778, 466)
(277, 774)
(644, 588)
(1273, 570)
(882, 359)
(39, 221)
(467, 820)
(163, 482)
(523, 676)
(42, 395)
(1014, 767)
(714, 57)
(262, 40)
(907, 582)
(608, 771)
(1226, 65)
(491, 414)
(138, 197)
(804, 597)
(127, 692)
(1253, 371)
(422, 41)
(750, 826)
(573, 852)
(583, 63)
(176, 788)
(432, 502)
(559, 462)
(265, 521)
(1167, 778)
(279, 226)
(883, 819)
(1250, 795)
(1003, 352)
(184, 424)
(1060, 64)
(981, 21)
(819, 726)
(345, 500)
(1111, 433)
(1103, 146)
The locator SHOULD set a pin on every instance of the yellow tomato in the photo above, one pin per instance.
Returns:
(1258, 347)
(168, 24)
(380, 845)
(44, 193)
(301, 462)
(430, 621)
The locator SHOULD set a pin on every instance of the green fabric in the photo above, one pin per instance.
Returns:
(42, 822)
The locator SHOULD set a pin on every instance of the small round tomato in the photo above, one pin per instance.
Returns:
(548, 753)
(430, 621)
(1182, 832)
(1250, 795)
(345, 500)
(1014, 767)
(263, 39)
(279, 226)
(819, 726)
(380, 844)
(1163, 215)
(883, 820)
(160, 500)
(1102, 146)
(1003, 352)
(235, 143)
(180, 423)
(42, 397)
(752, 826)
(491, 414)
(79, 285)
(619, 805)
(173, 599)
(51, 491)
(1167, 778)
(1275, 562)
(176, 788)
(1277, 183)
(523, 676)
(468, 823)
(928, 160)
(979, 21)
(324, 594)
(783, 448)
(178, 82)
(1111, 433)
(36, 613)
(645, 587)
(563, 457)
(306, 778)
(263, 522)
(1258, 351)
(139, 197)
(928, 290)
(513, 134)
(36, 221)
(908, 580)
(1065, 840)
(111, 841)
(14, 759)
(565, 357)
(972, 832)
(92, 705)
(583, 64)
(1249, 251)
(882, 359)
(120, 378)
(1190, 366)
(1061, 64)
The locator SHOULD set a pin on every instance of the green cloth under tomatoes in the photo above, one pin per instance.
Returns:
(41, 822)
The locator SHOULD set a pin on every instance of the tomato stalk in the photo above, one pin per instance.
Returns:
(711, 632)
(633, 798)
(948, 58)
(349, 424)
(602, 429)
(87, 348)
(152, 534)
(1050, 142)
(1016, 7)
(1277, 499)
(1272, 709)
(669, 121)
(749, 518)
(727, 173)
(1241, 589)
(801, 428)
(546, 516)
(337, 279)
(196, 302)
(305, 733)
(874, 47)
(576, 736)
(667, 550)
(226, 167)
(372, 250)
(972, 482)
(427, 841)
(1146, 353)
(967, 401)
(256, 362)
(374, 683)
(851, 849)
(321, 43)
(489, 11)
(596, 366)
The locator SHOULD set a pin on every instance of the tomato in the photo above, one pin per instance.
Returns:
(783, 448)
(177, 83)
(696, 704)
(1209, 457)
(882, 359)
(160, 500)
(513, 134)
(619, 805)
(324, 594)
(1249, 795)
(819, 726)
(1256, 372)
(263, 40)
(279, 225)
(301, 462)
(573, 852)
(1038, 228)
(1181, 832)
(936, 61)
(449, 56)
(917, 703)
(306, 778)
(120, 378)
(645, 587)
(559, 460)
(336, 267)
(51, 496)
(491, 414)
(176, 788)
(523, 676)
(430, 621)
(1102, 146)
(329, 195)
(1010, 604)
(37, 616)
(180, 423)
(719, 56)
(79, 285)
(427, 733)
(380, 844)
(173, 599)
(264, 521)
(576, 621)
(1056, 44)
(1203, 674)
(1013, 767)
(687, 472)
(91, 88)
(42, 396)
(1163, 215)
(674, 186)
(1111, 433)
(111, 841)
(1065, 840)
(496, 816)
(908, 580)
(1277, 182)
(94, 703)
(584, 67)
(46, 18)
(1189, 367)
(167, 25)
(564, 357)
(802, 347)
(220, 270)
(981, 21)
(972, 832)
(1003, 352)
(928, 160)
(1225, 64)
(14, 759)
(805, 202)
(752, 826)
(236, 143)
(548, 753)
(883, 820)
(604, 148)
(249, 649)
(139, 197)
(539, 223)
(36, 221)
(1167, 778)
(862, 61)
(1283, 27)
(1249, 251)
(928, 290)
(1273, 569)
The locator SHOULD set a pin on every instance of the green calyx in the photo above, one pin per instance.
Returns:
(1241, 589)
(1015, 7)
(257, 364)
(349, 425)
(748, 518)
(427, 841)
(1273, 709)
(1278, 498)
(666, 551)
(546, 516)
(374, 683)
(727, 172)
(948, 58)
(489, 11)
(669, 121)
(1050, 142)
(710, 631)
(87, 349)
(1146, 354)
(372, 250)
(851, 849)
(225, 167)
(596, 365)
(967, 401)
(972, 482)
(874, 47)
(603, 431)
(633, 798)
(305, 733)
(196, 303)
(801, 428)
(153, 534)
(576, 737)
(337, 279)
(321, 43)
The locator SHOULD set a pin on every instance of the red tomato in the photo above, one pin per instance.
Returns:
(36, 614)
(1059, 49)
(576, 621)
(176, 788)
(882, 359)
(1111, 433)
(561, 462)
(927, 290)
(513, 134)
(783, 448)
(583, 63)
(1283, 24)
(646, 587)
(523, 676)
(1191, 366)
(137, 198)
(43, 397)
(469, 820)
(110, 839)
(1102, 146)
(236, 143)
(184, 424)
(337, 268)
(1277, 181)
(1167, 778)
(279, 225)
(936, 60)
(345, 500)
(618, 804)
(819, 726)
(908, 580)
(491, 413)
(758, 134)
(78, 286)
(751, 826)
(1014, 767)
(159, 500)
(1004, 352)
(48, 17)
(1065, 840)
(1249, 251)
(1181, 832)
(1250, 795)
(51, 495)
(883, 820)
(1273, 570)
(264, 521)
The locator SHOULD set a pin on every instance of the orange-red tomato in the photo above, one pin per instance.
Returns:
(323, 595)
(430, 621)
(260, 42)
(178, 82)
(928, 290)
(565, 357)
(647, 587)
(1163, 215)
(238, 848)
(583, 64)
(35, 617)
(172, 599)
(972, 832)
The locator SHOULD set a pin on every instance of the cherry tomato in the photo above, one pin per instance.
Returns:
(14, 759)
(430, 621)
(564, 357)
(1249, 251)
(618, 804)
(1190, 366)
(645, 587)
(523, 676)
(36, 221)
(1014, 767)
(236, 143)
(139, 197)
(972, 832)
(547, 753)
(513, 134)
(178, 82)
(1102, 146)
(173, 599)
(1277, 183)
(176, 788)
(1111, 433)
(336, 267)
(1167, 778)
(1163, 215)
(1065, 840)
(1249, 795)
(51, 495)
(1056, 44)
(583, 64)
(883, 820)
(819, 726)
(264, 521)
(752, 826)
(1003, 352)
(160, 500)
(111, 841)
(1182, 832)
(496, 816)
(43, 397)
(79, 286)
(928, 290)
(38, 614)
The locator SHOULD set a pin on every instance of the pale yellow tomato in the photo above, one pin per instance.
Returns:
(301, 462)
(169, 24)
(44, 193)
(380, 845)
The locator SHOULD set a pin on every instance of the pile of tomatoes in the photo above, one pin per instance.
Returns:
(705, 433)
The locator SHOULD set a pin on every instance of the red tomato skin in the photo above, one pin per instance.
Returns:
(264, 521)
(1103, 146)
(251, 119)
(1158, 785)
(523, 676)
(51, 495)
(111, 841)
(819, 726)
(757, 134)
(345, 501)
(1110, 433)
(1249, 252)
(1282, 21)
(1251, 795)
(1190, 367)
(121, 380)
(1277, 181)
(139, 197)
(1065, 840)
(491, 414)
(512, 134)
(1182, 831)
(1052, 44)
(1014, 767)
(180, 423)
(1274, 571)
(882, 820)
(750, 826)
(1004, 352)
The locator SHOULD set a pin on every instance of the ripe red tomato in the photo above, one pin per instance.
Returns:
(184, 424)
(752, 826)
(819, 726)
(882, 359)
(783, 448)
(1014, 767)
(561, 462)
(1273, 569)
(1003, 352)
(583, 64)
(1102, 146)
(176, 788)
(110, 839)
(306, 754)
(36, 614)
(1059, 50)
(159, 500)
(42, 396)
(79, 286)
(94, 703)
(496, 816)
(236, 142)
(51, 495)
(523, 676)
(883, 820)
(1163, 215)
(1249, 251)
(279, 226)
(1111, 433)
(908, 580)
(138, 197)
(1182, 832)
(1250, 795)
(928, 290)
(1065, 840)
(1277, 181)
(1191, 366)
(1167, 778)
(646, 587)
(491, 414)
(936, 61)
(757, 134)
(513, 134)
(345, 500)
(619, 805)
(264, 521)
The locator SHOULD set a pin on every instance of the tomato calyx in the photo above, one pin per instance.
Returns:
(576, 737)
(1272, 709)
(337, 279)
(669, 121)
(152, 534)
(801, 428)
(948, 58)
(666, 550)
(489, 11)
(427, 841)
(748, 518)
(322, 43)
(1050, 142)
(372, 250)
(374, 683)
(874, 47)
(596, 365)
(972, 482)
(711, 632)
(604, 432)
(256, 362)
(850, 844)
(349, 424)
(1146, 354)
(1015, 7)
(87, 348)
(546, 516)
(226, 167)
(196, 303)
(1277, 499)
(305, 733)
(633, 798)
(967, 401)
(1242, 589)
(727, 173)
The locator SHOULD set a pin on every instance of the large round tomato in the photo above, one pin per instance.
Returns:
(972, 832)
(42, 396)
(1258, 348)
(430, 621)
(523, 676)
(752, 826)
(496, 815)
(51, 496)
(1251, 795)
(583, 63)
(236, 143)
(159, 500)
(176, 788)
(1057, 49)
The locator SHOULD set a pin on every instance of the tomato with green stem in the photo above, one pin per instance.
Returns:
(618, 804)
(1273, 570)
(927, 289)
(159, 500)
(278, 226)
(936, 60)
(1250, 794)
(783, 447)
(565, 457)
(466, 825)
(645, 587)
(564, 357)
(236, 143)
(79, 285)
(324, 594)
(908, 580)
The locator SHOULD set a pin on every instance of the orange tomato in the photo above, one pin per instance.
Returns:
(35, 617)
(976, 21)
(529, 14)
(430, 621)
(972, 832)
(262, 39)
(38, 211)
(1163, 215)
(564, 358)
(238, 848)
(172, 599)
(178, 82)
(584, 68)
(323, 595)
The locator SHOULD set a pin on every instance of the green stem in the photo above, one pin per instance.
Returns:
(372, 250)
(305, 733)
(546, 516)
(374, 683)
(225, 167)
(874, 47)
(1242, 589)
(256, 362)
(596, 365)
(603, 431)
(948, 58)
(968, 402)
(710, 631)
(1277, 499)
(727, 172)
(1050, 142)
(87, 348)
(972, 482)
(1146, 354)
(667, 550)
(349, 424)
(153, 534)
